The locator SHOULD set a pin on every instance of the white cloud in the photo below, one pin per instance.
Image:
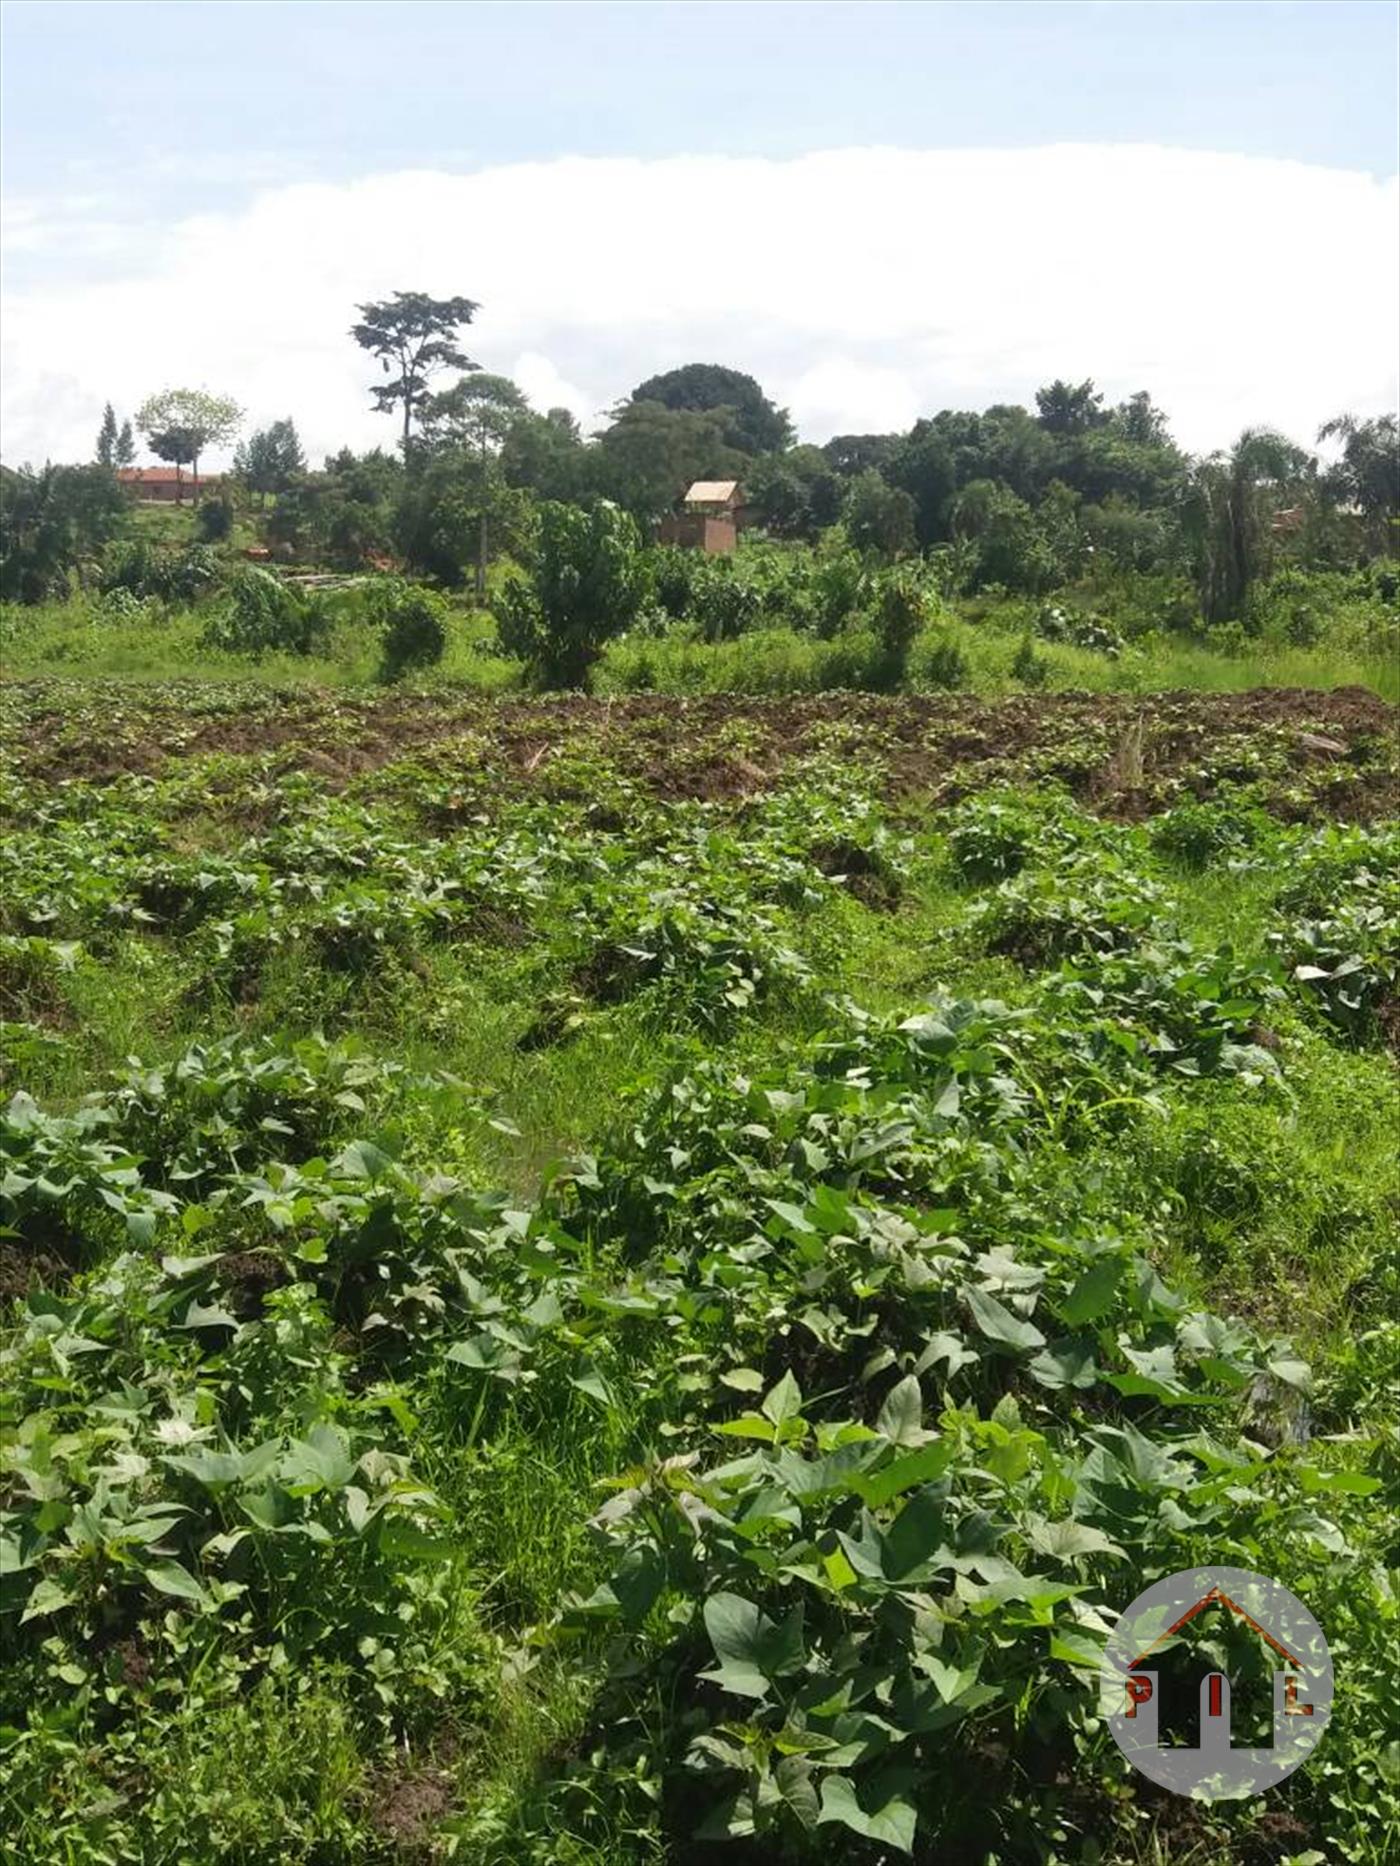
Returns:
(539, 380)
(861, 286)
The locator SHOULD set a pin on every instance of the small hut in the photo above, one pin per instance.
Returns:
(708, 519)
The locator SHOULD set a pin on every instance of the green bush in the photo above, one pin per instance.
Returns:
(899, 615)
(265, 614)
(1030, 668)
(413, 633)
(149, 572)
(214, 518)
(942, 664)
(52, 524)
(589, 581)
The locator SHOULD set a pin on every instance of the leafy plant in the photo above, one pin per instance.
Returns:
(589, 582)
(263, 613)
(413, 633)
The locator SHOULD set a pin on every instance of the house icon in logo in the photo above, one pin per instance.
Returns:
(1214, 1768)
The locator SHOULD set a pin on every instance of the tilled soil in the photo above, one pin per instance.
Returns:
(1313, 753)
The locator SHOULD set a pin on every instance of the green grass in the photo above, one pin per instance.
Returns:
(75, 639)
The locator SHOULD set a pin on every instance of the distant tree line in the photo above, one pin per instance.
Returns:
(1012, 497)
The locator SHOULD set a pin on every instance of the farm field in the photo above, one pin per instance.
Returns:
(628, 1279)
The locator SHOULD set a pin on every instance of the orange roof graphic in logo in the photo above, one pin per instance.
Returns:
(1217, 1593)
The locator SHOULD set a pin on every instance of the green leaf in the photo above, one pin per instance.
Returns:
(46, 1597)
(743, 1379)
(750, 1648)
(639, 1579)
(1066, 1363)
(1067, 1540)
(918, 1467)
(951, 1349)
(319, 1461)
(213, 1468)
(793, 1777)
(594, 1386)
(748, 1425)
(914, 1543)
(1345, 1483)
(1076, 1648)
(901, 1418)
(782, 1402)
(792, 1216)
(997, 1323)
(361, 1160)
(170, 1577)
(1095, 1290)
(890, 1819)
(405, 1540)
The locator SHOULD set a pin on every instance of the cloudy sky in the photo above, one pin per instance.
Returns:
(878, 210)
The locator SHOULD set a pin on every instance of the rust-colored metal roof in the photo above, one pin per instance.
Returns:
(161, 476)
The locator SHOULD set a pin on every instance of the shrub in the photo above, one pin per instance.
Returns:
(150, 573)
(1083, 631)
(1195, 834)
(673, 577)
(123, 605)
(51, 523)
(589, 581)
(725, 602)
(899, 615)
(838, 587)
(413, 633)
(264, 613)
(215, 519)
(944, 665)
(1030, 668)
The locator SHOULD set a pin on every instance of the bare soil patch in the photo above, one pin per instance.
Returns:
(1325, 753)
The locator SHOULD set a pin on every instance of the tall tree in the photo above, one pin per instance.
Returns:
(107, 438)
(879, 517)
(751, 422)
(475, 413)
(176, 447)
(850, 454)
(1070, 407)
(50, 522)
(545, 454)
(270, 459)
(1231, 500)
(475, 416)
(1141, 421)
(413, 336)
(796, 494)
(179, 424)
(124, 454)
(651, 453)
(1368, 474)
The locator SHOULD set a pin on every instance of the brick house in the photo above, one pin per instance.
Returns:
(161, 485)
(710, 518)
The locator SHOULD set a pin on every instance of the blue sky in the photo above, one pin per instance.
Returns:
(330, 90)
(154, 151)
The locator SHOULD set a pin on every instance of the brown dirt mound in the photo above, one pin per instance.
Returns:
(1124, 753)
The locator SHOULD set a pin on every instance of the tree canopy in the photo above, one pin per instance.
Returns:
(179, 424)
(271, 458)
(414, 336)
(752, 424)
